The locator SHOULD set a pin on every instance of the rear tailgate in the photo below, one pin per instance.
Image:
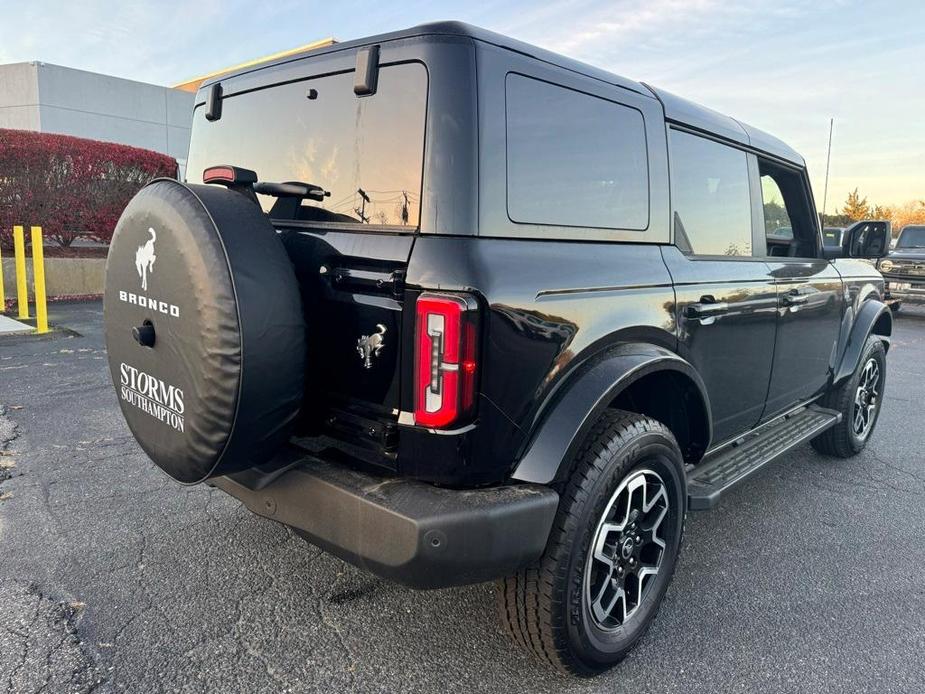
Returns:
(353, 297)
(349, 250)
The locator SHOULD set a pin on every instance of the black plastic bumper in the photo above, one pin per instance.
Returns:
(407, 531)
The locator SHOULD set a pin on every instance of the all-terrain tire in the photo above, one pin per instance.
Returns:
(842, 441)
(543, 607)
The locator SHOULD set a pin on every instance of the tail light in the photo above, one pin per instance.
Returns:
(445, 360)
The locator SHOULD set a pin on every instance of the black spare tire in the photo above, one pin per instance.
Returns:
(204, 329)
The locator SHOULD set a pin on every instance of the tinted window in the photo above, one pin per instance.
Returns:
(574, 159)
(341, 142)
(709, 192)
(831, 236)
(912, 237)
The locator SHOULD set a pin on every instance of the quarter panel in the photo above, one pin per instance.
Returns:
(493, 66)
(550, 306)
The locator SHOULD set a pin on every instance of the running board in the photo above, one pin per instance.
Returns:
(707, 482)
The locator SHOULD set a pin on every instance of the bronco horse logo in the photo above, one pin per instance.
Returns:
(144, 259)
(369, 346)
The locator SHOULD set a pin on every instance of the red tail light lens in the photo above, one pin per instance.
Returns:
(445, 360)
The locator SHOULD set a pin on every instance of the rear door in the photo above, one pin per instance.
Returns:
(726, 296)
(350, 250)
(809, 288)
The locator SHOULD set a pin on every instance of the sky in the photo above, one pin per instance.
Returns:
(785, 66)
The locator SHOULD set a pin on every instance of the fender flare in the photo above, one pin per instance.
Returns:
(871, 312)
(585, 396)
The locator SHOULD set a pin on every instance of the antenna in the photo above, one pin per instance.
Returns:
(828, 158)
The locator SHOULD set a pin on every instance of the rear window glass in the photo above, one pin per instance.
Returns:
(574, 159)
(367, 151)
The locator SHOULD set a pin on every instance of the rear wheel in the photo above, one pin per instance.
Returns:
(859, 400)
(611, 553)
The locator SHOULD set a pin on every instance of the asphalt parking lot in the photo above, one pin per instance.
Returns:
(810, 578)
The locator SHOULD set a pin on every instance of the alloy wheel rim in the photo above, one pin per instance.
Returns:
(866, 399)
(627, 550)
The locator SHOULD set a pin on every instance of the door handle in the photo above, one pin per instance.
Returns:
(707, 307)
(794, 299)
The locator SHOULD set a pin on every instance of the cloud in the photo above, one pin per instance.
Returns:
(142, 41)
(593, 27)
(785, 66)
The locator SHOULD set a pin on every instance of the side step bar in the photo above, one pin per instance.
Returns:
(707, 482)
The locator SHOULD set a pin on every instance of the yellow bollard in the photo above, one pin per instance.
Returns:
(19, 247)
(2, 294)
(38, 281)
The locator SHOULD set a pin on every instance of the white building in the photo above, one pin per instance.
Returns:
(53, 99)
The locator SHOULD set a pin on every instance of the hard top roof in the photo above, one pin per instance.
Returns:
(685, 112)
(677, 109)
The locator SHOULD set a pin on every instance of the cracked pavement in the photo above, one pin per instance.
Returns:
(114, 578)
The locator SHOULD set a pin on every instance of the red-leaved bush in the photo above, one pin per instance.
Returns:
(68, 185)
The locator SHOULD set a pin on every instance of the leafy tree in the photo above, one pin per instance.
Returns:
(912, 212)
(775, 215)
(881, 212)
(856, 207)
(834, 220)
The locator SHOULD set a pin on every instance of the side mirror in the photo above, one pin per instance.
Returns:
(866, 239)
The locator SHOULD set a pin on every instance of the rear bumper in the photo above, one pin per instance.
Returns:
(407, 531)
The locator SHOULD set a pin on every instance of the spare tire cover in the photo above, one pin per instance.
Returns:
(222, 383)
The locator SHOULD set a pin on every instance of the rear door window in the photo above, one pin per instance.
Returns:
(367, 151)
(574, 159)
(710, 196)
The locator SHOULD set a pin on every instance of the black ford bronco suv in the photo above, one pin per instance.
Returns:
(458, 309)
